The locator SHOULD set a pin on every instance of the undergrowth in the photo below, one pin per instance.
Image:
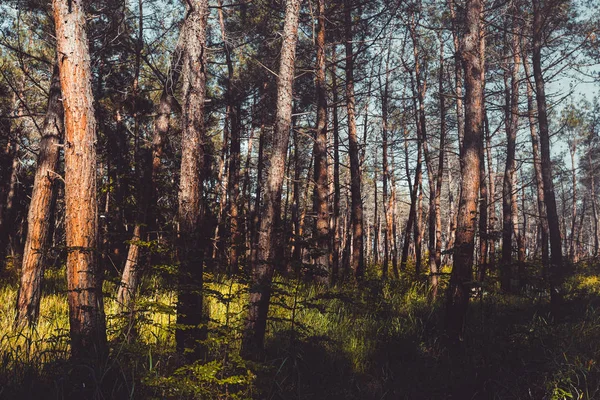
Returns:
(376, 340)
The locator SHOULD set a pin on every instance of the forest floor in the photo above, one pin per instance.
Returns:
(379, 340)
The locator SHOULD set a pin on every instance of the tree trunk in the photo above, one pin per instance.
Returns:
(412, 215)
(335, 245)
(357, 259)
(556, 262)
(321, 206)
(132, 272)
(440, 178)
(233, 186)
(458, 290)
(191, 239)
(40, 208)
(483, 218)
(458, 81)
(422, 137)
(256, 321)
(508, 189)
(491, 183)
(8, 198)
(572, 242)
(84, 277)
(594, 206)
(387, 203)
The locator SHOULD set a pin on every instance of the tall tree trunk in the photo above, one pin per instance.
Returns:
(483, 218)
(483, 187)
(440, 178)
(394, 234)
(451, 226)
(491, 183)
(508, 189)
(149, 195)
(233, 186)
(357, 259)
(594, 206)
(412, 215)
(458, 78)
(40, 208)
(129, 278)
(572, 242)
(387, 203)
(422, 137)
(296, 234)
(556, 262)
(321, 206)
(190, 238)
(84, 277)
(256, 321)
(458, 290)
(376, 220)
(335, 244)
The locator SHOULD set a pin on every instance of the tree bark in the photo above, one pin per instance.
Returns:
(596, 234)
(387, 203)
(335, 243)
(84, 277)
(491, 183)
(434, 282)
(191, 239)
(321, 206)
(572, 242)
(40, 208)
(556, 263)
(458, 77)
(508, 190)
(458, 290)
(233, 186)
(262, 274)
(357, 259)
(132, 272)
(483, 219)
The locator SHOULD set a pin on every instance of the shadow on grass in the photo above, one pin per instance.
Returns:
(378, 342)
(512, 351)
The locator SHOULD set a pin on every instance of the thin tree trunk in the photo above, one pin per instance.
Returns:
(132, 273)
(233, 185)
(491, 182)
(387, 203)
(320, 204)
(256, 321)
(509, 205)
(439, 179)
(413, 203)
(422, 134)
(483, 218)
(394, 235)
(40, 208)
(572, 242)
(357, 260)
(594, 206)
(556, 262)
(335, 245)
(458, 81)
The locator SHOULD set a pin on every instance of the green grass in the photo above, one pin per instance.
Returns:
(373, 341)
